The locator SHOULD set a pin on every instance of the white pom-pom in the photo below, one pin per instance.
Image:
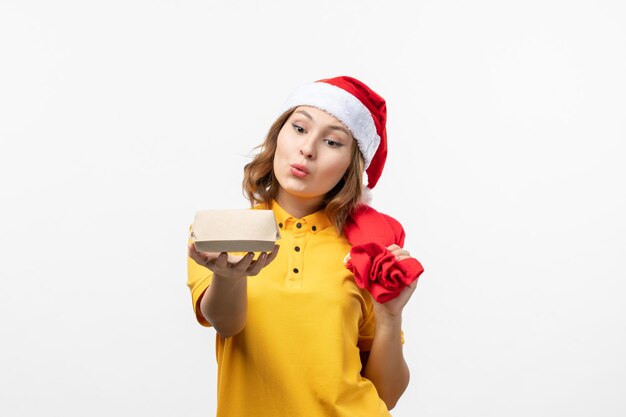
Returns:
(366, 195)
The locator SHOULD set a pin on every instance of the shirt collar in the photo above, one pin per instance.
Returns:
(312, 223)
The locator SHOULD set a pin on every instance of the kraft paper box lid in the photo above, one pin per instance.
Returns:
(234, 231)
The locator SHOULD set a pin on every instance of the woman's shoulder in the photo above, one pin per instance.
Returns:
(260, 206)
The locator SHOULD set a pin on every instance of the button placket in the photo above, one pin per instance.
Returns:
(297, 253)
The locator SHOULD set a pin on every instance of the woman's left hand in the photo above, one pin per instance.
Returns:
(393, 308)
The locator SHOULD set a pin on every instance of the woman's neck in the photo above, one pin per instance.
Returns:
(298, 206)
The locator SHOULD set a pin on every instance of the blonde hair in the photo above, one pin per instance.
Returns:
(261, 186)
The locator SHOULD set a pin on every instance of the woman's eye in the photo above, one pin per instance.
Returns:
(298, 128)
(333, 144)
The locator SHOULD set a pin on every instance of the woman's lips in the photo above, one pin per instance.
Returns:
(299, 171)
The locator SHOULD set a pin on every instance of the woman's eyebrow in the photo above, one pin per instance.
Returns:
(343, 129)
(305, 113)
(333, 127)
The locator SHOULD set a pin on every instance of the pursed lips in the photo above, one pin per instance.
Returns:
(299, 170)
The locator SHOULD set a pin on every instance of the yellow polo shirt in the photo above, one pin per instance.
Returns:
(298, 355)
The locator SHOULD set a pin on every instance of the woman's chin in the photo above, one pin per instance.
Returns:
(300, 192)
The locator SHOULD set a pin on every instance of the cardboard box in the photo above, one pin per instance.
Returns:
(234, 231)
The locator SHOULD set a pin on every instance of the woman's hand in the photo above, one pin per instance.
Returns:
(232, 266)
(393, 308)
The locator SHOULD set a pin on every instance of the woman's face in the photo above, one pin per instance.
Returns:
(313, 152)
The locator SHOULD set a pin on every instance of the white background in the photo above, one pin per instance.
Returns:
(506, 128)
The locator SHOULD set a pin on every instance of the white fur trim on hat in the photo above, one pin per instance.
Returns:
(366, 195)
(345, 107)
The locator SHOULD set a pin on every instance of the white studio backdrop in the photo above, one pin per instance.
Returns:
(120, 119)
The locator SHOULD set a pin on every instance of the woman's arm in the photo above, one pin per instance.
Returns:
(224, 304)
(385, 365)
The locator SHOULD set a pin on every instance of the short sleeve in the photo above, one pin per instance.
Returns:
(367, 329)
(198, 280)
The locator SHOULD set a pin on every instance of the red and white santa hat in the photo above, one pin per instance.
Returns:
(359, 108)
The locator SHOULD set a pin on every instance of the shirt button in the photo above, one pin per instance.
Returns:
(297, 248)
(313, 228)
(280, 225)
(295, 270)
(298, 225)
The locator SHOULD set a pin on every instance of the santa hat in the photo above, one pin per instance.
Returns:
(359, 108)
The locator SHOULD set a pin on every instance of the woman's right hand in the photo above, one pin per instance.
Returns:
(224, 304)
(232, 266)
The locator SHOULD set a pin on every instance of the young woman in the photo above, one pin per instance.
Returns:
(296, 335)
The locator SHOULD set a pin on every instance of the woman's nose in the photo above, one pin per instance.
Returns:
(307, 150)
